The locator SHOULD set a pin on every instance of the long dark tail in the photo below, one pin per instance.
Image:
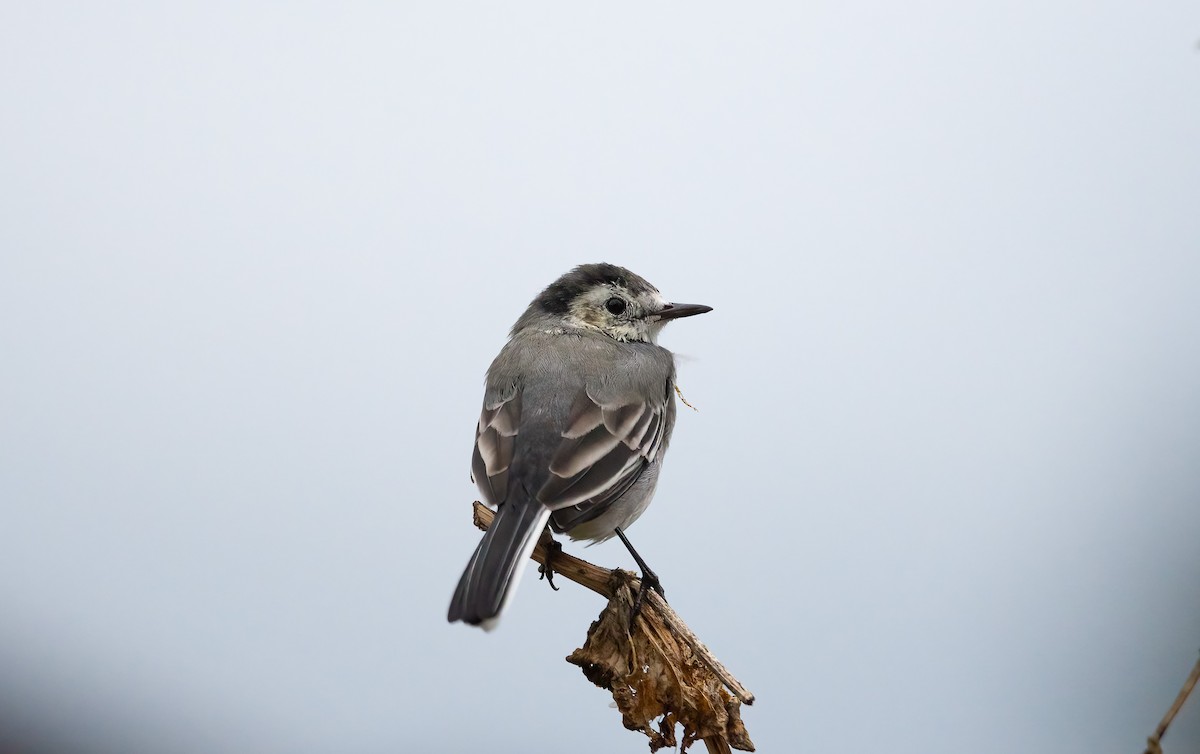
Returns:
(494, 570)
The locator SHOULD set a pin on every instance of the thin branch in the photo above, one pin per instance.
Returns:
(1154, 743)
(600, 581)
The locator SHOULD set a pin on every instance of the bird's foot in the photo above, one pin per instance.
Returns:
(649, 580)
(546, 569)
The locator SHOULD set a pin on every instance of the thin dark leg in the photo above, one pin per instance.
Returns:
(649, 578)
(553, 549)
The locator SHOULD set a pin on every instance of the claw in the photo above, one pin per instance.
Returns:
(648, 580)
(553, 548)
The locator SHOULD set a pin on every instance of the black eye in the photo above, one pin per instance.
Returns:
(615, 305)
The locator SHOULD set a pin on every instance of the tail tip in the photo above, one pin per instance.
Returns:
(489, 624)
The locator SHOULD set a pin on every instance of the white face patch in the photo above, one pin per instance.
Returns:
(592, 310)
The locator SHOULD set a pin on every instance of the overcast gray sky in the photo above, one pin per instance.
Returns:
(943, 490)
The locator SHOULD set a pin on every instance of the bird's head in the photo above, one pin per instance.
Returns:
(608, 299)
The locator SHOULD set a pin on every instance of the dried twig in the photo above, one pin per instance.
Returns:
(1154, 743)
(684, 400)
(660, 669)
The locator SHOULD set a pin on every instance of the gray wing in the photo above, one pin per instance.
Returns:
(495, 442)
(605, 448)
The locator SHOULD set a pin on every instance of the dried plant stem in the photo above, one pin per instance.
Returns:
(600, 581)
(1154, 743)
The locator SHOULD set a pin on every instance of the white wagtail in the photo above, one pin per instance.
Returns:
(577, 414)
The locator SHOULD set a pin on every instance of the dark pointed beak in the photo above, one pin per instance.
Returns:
(675, 311)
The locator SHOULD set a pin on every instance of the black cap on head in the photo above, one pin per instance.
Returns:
(557, 297)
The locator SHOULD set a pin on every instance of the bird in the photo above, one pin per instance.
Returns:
(578, 410)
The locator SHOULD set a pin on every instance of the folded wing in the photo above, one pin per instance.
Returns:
(605, 448)
(495, 442)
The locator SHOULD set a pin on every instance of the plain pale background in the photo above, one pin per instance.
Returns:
(943, 490)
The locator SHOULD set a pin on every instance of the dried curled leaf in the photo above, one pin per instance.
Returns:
(656, 680)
